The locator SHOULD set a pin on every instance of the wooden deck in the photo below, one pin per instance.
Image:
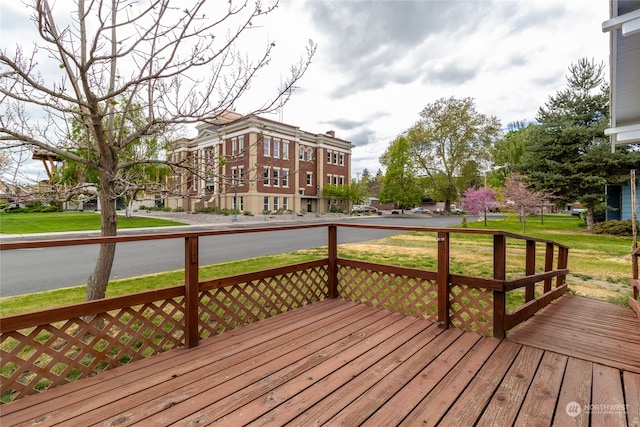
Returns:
(340, 363)
(587, 329)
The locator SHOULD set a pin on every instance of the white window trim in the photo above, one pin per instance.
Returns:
(266, 176)
(266, 142)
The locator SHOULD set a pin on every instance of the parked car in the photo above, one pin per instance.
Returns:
(455, 210)
(421, 210)
(364, 209)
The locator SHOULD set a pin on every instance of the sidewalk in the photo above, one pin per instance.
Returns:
(192, 221)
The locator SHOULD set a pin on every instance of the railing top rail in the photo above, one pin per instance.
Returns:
(455, 230)
(42, 243)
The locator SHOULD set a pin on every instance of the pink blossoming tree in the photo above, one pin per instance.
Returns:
(479, 201)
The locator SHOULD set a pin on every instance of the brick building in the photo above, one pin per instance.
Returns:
(259, 165)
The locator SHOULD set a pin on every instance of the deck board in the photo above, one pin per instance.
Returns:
(341, 363)
(585, 328)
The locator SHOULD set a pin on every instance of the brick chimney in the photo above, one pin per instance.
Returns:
(331, 133)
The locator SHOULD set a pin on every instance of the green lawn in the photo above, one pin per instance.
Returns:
(19, 304)
(600, 265)
(26, 223)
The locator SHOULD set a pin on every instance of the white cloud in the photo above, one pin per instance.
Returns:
(379, 63)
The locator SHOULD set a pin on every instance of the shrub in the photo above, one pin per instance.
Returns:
(46, 209)
(207, 210)
(615, 228)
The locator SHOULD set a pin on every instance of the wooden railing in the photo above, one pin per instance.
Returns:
(51, 347)
(635, 282)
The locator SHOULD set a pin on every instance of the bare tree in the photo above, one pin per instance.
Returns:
(167, 66)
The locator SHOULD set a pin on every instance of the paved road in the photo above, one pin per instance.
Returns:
(34, 270)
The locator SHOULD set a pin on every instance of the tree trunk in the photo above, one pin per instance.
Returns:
(590, 219)
(98, 280)
(128, 210)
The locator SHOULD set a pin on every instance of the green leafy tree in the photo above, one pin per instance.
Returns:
(353, 193)
(400, 184)
(567, 154)
(119, 60)
(138, 177)
(446, 142)
(508, 152)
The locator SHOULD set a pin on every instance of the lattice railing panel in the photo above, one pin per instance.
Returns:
(228, 307)
(471, 309)
(41, 357)
(402, 293)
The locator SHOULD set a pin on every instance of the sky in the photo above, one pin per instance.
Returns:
(379, 63)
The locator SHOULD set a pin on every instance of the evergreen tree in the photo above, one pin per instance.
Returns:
(567, 154)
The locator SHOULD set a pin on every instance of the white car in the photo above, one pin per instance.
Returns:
(364, 209)
(421, 210)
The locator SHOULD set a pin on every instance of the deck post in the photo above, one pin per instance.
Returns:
(333, 261)
(499, 273)
(191, 292)
(443, 279)
(548, 265)
(530, 269)
(563, 258)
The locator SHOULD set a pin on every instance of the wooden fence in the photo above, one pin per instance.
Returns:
(635, 282)
(51, 347)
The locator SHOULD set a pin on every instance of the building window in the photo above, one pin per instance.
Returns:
(209, 156)
(285, 203)
(285, 177)
(329, 157)
(276, 203)
(276, 177)
(240, 144)
(341, 159)
(266, 175)
(234, 176)
(265, 207)
(309, 154)
(234, 146)
(276, 148)
(335, 158)
(342, 180)
(241, 203)
(329, 179)
(301, 153)
(335, 180)
(309, 178)
(266, 143)
(285, 150)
